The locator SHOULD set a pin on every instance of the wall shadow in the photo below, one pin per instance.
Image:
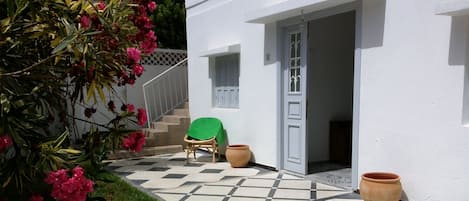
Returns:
(457, 56)
(271, 43)
(457, 42)
(373, 19)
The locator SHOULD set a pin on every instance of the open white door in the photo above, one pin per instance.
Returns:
(294, 100)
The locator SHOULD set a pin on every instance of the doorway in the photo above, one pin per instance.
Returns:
(330, 84)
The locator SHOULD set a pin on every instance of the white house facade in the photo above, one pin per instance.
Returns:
(290, 77)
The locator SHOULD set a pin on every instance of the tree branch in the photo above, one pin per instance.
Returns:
(90, 122)
(28, 68)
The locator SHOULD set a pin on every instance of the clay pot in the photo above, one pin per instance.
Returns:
(380, 186)
(238, 155)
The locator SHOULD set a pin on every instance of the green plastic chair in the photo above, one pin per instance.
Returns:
(206, 132)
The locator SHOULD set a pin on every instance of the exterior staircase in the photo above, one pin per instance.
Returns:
(165, 98)
(164, 136)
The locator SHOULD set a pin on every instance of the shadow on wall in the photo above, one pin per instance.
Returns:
(373, 18)
(458, 56)
(458, 40)
(372, 31)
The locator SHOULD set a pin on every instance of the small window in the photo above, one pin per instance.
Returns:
(226, 85)
(295, 63)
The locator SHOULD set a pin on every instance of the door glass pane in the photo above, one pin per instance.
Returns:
(298, 37)
(294, 62)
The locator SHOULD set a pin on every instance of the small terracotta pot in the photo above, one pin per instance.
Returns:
(380, 186)
(238, 155)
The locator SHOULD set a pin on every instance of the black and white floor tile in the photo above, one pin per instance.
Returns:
(170, 178)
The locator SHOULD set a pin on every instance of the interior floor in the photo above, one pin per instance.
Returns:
(330, 173)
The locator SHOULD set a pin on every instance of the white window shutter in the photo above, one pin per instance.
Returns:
(227, 81)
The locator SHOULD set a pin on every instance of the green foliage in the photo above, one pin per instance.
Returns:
(26, 168)
(170, 21)
(51, 60)
(112, 188)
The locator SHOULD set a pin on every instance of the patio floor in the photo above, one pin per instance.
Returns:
(168, 177)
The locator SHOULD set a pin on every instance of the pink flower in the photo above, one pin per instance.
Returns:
(131, 81)
(140, 141)
(149, 43)
(138, 70)
(134, 142)
(133, 55)
(141, 11)
(5, 142)
(36, 197)
(130, 108)
(143, 22)
(151, 6)
(101, 5)
(142, 116)
(111, 105)
(78, 171)
(58, 176)
(85, 22)
(128, 142)
(65, 188)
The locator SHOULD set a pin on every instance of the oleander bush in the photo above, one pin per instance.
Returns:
(56, 55)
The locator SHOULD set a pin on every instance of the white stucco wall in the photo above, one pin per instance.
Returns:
(411, 90)
(220, 23)
(411, 100)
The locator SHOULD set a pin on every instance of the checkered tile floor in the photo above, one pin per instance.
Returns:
(170, 178)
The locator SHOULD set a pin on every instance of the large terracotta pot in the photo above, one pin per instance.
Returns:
(380, 186)
(238, 155)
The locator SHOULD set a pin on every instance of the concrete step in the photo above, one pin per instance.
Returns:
(153, 131)
(163, 126)
(181, 111)
(163, 139)
(175, 118)
(146, 151)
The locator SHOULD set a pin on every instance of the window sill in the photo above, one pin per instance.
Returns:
(452, 8)
(225, 109)
(229, 49)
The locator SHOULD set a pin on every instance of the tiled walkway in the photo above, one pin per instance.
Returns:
(169, 178)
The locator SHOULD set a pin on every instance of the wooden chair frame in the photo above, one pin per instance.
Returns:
(192, 146)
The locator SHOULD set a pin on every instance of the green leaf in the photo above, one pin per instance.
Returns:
(58, 142)
(101, 94)
(7, 181)
(65, 42)
(92, 33)
(90, 92)
(21, 6)
(71, 151)
(11, 8)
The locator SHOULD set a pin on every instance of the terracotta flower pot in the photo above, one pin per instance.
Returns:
(380, 186)
(238, 155)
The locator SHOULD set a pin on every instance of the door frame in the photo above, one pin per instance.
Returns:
(281, 33)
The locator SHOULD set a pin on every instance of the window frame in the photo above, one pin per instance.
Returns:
(233, 103)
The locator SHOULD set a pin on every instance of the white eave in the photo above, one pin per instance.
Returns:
(194, 3)
(452, 7)
(289, 9)
(224, 50)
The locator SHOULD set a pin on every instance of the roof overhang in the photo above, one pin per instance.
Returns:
(452, 7)
(289, 9)
(220, 51)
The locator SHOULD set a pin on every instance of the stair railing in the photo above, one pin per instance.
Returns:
(166, 91)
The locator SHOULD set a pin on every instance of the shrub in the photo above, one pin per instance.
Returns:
(54, 55)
